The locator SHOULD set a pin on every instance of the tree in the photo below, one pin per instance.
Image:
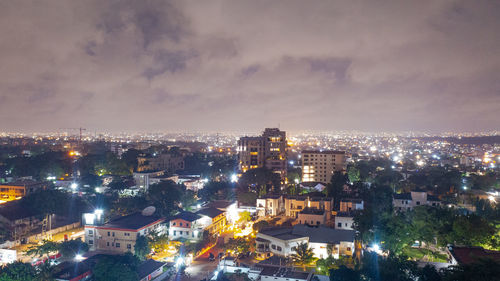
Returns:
(142, 248)
(335, 188)
(238, 245)
(47, 247)
(261, 179)
(303, 255)
(353, 174)
(158, 242)
(344, 273)
(116, 268)
(71, 248)
(245, 216)
(483, 269)
(165, 196)
(258, 226)
(17, 271)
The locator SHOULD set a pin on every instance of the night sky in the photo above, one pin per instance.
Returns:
(244, 65)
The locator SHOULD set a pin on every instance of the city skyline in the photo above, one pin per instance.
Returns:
(224, 66)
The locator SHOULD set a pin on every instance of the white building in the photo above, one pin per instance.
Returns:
(344, 221)
(283, 241)
(271, 205)
(408, 201)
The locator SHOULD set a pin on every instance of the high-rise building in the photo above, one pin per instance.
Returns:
(319, 166)
(268, 150)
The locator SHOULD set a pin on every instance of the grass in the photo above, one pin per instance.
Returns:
(420, 253)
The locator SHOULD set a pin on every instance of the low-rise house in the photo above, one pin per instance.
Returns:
(119, 235)
(312, 216)
(468, 255)
(187, 225)
(213, 220)
(322, 240)
(295, 204)
(270, 206)
(410, 200)
(348, 205)
(18, 189)
(19, 220)
(344, 220)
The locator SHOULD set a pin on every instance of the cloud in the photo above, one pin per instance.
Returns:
(243, 65)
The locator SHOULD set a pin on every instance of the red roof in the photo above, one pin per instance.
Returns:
(467, 255)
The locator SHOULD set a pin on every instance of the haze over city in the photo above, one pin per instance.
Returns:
(137, 66)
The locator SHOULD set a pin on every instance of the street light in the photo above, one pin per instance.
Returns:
(74, 186)
(234, 178)
(78, 257)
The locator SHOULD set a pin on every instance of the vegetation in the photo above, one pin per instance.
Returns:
(116, 268)
(303, 255)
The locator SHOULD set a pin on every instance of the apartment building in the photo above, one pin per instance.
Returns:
(267, 150)
(348, 205)
(120, 235)
(295, 204)
(319, 166)
(187, 225)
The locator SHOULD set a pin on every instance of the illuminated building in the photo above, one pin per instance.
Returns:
(284, 241)
(319, 166)
(270, 205)
(410, 200)
(17, 190)
(120, 235)
(169, 162)
(295, 204)
(268, 150)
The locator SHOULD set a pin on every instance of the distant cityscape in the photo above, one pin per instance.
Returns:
(266, 205)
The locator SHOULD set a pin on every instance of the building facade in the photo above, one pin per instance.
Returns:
(271, 205)
(322, 240)
(120, 235)
(17, 190)
(266, 151)
(319, 166)
(295, 204)
(408, 201)
(170, 162)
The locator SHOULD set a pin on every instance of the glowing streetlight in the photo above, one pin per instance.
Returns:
(74, 186)
(78, 257)
(234, 178)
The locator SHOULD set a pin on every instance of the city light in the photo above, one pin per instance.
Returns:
(234, 178)
(74, 186)
(79, 257)
(179, 262)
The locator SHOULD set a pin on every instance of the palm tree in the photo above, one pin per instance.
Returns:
(303, 255)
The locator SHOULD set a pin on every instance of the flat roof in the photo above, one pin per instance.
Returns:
(187, 216)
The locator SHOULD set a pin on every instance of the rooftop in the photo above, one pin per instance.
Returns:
(312, 211)
(134, 221)
(220, 204)
(187, 216)
(147, 267)
(210, 212)
(467, 255)
(15, 210)
(286, 272)
(316, 234)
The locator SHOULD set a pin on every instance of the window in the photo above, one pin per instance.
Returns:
(113, 234)
(173, 223)
(117, 245)
(91, 232)
(180, 232)
(91, 242)
(187, 233)
(339, 224)
(126, 234)
(418, 203)
(273, 247)
(180, 223)
(129, 246)
(278, 248)
(175, 232)
(109, 233)
(107, 244)
(348, 249)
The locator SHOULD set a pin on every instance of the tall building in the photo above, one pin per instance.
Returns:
(268, 150)
(319, 166)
